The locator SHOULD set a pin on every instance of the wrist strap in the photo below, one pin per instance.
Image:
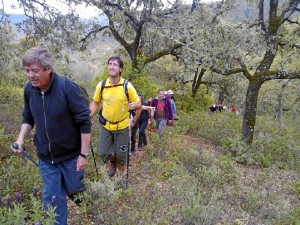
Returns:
(83, 155)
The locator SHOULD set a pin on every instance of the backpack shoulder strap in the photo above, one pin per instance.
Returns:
(126, 88)
(62, 87)
(125, 84)
(103, 82)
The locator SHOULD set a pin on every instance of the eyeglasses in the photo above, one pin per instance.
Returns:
(33, 71)
(113, 65)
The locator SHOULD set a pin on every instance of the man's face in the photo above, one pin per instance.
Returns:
(114, 68)
(38, 76)
(161, 95)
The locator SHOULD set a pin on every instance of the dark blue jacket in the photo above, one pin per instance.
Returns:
(59, 115)
(144, 114)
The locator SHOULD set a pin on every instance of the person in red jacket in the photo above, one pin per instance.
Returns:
(232, 109)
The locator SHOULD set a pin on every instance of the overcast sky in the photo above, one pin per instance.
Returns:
(88, 12)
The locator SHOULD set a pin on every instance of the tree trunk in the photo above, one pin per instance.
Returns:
(197, 81)
(279, 116)
(249, 119)
(221, 97)
(279, 109)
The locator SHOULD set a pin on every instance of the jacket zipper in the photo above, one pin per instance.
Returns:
(46, 130)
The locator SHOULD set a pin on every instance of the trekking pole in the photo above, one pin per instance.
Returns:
(94, 158)
(16, 146)
(129, 149)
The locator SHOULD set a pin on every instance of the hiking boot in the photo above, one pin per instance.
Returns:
(77, 198)
(145, 140)
(111, 169)
(122, 168)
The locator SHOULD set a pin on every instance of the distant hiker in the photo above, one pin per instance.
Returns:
(143, 123)
(173, 105)
(57, 109)
(151, 114)
(221, 108)
(214, 107)
(163, 111)
(232, 109)
(114, 116)
(134, 124)
(225, 108)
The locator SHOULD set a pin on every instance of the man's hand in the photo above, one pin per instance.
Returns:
(131, 106)
(132, 123)
(81, 163)
(17, 147)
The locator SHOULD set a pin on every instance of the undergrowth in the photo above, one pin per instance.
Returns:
(197, 172)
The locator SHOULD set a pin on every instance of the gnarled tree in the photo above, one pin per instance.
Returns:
(132, 23)
(258, 48)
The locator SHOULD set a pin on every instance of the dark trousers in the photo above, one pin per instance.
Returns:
(142, 133)
(133, 137)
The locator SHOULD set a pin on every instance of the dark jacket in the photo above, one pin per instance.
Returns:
(144, 114)
(60, 115)
(167, 109)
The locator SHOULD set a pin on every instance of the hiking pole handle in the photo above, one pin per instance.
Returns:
(16, 146)
(131, 111)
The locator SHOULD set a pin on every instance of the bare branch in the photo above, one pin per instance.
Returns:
(291, 8)
(92, 32)
(2, 14)
(261, 15)
(293, 45)
(281, 74)
(233, 71)
(293, 22)
(194, 5)
(162, 53)
(220, 11)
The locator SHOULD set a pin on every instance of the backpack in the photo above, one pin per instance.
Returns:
(103, 82)
(102, 120)
(62, 86)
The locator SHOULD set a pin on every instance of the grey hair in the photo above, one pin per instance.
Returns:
(39, 56)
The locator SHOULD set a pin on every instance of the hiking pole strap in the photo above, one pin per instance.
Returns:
(30, 158)
(93, 154)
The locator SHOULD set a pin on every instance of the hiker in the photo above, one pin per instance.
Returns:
(134, 125)
(163, 111)
(143, 123)
(118, 99)
(151, 114)
(57, 109)
(214, 107)
(232, 109)
(173, 105)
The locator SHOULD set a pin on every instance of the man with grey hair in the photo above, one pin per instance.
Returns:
(57, 109)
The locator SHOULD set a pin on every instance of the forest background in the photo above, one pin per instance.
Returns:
(216, 168)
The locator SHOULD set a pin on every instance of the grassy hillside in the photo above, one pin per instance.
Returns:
(197, 172)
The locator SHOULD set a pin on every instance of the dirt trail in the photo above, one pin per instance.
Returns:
(207, 146)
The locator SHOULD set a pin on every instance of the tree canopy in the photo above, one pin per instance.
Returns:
(259, 47)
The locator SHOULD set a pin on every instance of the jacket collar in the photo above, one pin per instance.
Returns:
(53, 78)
